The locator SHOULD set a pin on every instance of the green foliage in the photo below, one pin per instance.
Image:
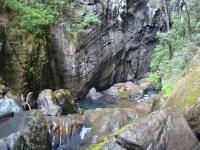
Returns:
(81, 23)
(34, 16)
(155, 78)
(88, 19)
(168, 87)
(174, 52)
(154, 3)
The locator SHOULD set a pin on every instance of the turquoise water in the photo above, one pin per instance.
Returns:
(90, 104)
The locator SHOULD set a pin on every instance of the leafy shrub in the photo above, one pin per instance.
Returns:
(155, 78)
(34, 16)
(173, 53)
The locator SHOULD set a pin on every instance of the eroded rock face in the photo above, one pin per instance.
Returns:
(165, 129)
(106, 53)
(119, 45)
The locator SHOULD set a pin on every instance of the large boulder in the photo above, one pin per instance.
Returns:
(106, 120)
(161, 130)
(35, 135)
(93, 94)
(8, 105)
(148, 87)
(25, 131)
(127, 90)
(47, 103)
(58, 102)
(3, 145)
(66, 101)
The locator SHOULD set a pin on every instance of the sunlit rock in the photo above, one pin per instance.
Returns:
(165, 129)
(8, 105)
(93, 94)
(47, 103)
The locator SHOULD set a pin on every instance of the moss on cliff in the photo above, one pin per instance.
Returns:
(186, 90)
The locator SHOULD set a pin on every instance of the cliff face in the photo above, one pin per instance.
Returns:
(120, 45)
(22, 62)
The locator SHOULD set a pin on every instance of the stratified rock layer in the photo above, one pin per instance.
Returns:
(118, 47)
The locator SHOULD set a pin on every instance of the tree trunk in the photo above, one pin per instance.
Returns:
(166, 6)
(188, 19)
(170, 50)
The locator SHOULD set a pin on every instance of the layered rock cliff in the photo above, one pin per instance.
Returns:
(120, 45)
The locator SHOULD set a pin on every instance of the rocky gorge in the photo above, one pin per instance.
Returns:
(119, 46)
(88, 89)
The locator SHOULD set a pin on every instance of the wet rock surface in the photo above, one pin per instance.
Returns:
(65, 131)
(77, 131)
(8, 105)
(24, 131)
(57, 102)
(46, 102)
(165, 129)
(93, 94)
(124, 95)
(104, 121)
(3, 145)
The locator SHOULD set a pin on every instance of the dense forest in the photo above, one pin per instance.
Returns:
(99, 74)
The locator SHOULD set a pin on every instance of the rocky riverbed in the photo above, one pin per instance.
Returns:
(63, 89)
(61, 123)
(70, 124)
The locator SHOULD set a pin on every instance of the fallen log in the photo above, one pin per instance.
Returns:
(6, 116)
(129, 145)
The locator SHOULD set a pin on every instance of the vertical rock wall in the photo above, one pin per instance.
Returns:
(120, 45)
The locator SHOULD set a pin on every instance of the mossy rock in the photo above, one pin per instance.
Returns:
(187, 90)
(66, 101)
(35, 136)
(124, 94)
